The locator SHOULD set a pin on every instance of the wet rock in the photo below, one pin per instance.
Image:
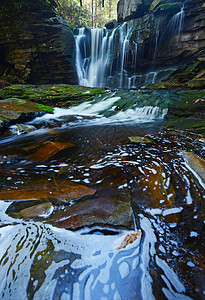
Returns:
(140, 139)
(196, 83)
(49, 149)
(40, 210)
(20, 128)
(196, 162)
(14, 109)
(55, 95)
(151, 190)
(111, 24)
(188, 113)
(37, 44)
(43, 187)
(98, 211)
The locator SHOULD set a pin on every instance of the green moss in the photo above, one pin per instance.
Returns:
(167, 6)
(53, 95)
(188, 113)
(154, 4)
(192, 67)
(192, 124)
(45, 108)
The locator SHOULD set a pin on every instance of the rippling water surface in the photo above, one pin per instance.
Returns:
(40, 259)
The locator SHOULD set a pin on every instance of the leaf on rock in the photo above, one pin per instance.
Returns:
(140, 139)
(129, 239)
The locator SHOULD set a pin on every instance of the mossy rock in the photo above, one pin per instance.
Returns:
(52, 95)
(189, 112)
(167, 6)
(140, 139)
(13, 109)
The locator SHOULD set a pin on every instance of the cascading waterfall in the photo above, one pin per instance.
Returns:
(109, 58)
(174, 26)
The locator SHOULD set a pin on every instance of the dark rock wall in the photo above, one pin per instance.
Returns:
(36, 44)
(159, 46)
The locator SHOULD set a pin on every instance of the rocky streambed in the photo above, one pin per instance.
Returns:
(99, 199)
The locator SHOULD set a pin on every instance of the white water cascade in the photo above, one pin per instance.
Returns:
(174, 26)
(110, 58)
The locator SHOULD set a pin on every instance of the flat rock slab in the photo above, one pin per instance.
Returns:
(39, 210)
(196, 163)
(38, 188)
(91, 212)
(140, 139)
(49, 149)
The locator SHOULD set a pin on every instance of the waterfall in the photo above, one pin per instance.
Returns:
(91, 67)
(174, 26)
(177, 21)
(99, 66)
(124, 47)
(110, 58)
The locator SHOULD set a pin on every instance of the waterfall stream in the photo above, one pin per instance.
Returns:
(103, 57)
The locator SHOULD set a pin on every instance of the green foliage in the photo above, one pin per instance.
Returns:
(76, 15)
(22, 3)
(91, 14)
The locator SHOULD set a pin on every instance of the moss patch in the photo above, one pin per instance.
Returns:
(167, 6)
(53, 95)
(188, 113)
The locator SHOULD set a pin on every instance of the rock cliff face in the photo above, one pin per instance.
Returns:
(130, 9)
(36, 44)
(167, 35)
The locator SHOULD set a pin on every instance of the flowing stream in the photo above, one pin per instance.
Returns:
(42, 258)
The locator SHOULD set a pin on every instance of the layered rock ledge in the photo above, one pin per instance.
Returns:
(36, 44)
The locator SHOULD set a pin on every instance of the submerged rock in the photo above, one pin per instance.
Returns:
(196, 163)
(49, 149)
(43, 187)
(140, 139)
(40, 210)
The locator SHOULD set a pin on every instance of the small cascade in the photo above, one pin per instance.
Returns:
(114, 108)
(174, 26)
(124, 48)
(177, 21)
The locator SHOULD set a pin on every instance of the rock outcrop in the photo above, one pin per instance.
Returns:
(36, 44)
(167, 35)
(131, 9)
